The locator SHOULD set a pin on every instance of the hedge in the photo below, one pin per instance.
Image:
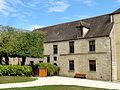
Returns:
(17, 70)
(52, 69)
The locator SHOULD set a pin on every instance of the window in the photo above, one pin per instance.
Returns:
(55, 49)
(92, 45)
(40, 61)
(92, 65)
(31, 62)
(71, 65)
(48, 59)
(55, 58)
(71, 47)
(80, 31)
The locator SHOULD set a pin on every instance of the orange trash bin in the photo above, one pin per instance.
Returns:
(41, 72)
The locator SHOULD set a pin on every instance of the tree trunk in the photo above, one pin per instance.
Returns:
(6, 60)
(23, 60)
(0, 60)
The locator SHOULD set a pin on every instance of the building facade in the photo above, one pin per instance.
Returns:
(89, 46)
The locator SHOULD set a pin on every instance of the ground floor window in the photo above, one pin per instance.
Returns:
(71, 65)
(48, 59)
(55, 58)
(31, 62)
(92, 65)
(40, 61)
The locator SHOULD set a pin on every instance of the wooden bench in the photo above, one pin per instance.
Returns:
(80, 75)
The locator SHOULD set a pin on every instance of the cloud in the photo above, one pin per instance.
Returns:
(3, 7)
(118, 0)
(75, 17)
(57, 6)
(14, 8)
(6, 8)
(32, 27)
(87, 2)
(82, 16)
(64, 18)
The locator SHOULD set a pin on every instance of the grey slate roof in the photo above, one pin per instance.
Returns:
(100, 26)
(116, 12)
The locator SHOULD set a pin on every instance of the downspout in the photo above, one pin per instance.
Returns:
(111, 58)
(112, 21)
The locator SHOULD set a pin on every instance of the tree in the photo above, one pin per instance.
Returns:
(7, 39)
(14, 43)
(29, 44)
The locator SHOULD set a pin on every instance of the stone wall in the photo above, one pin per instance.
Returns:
(82, 56)
(115, 39)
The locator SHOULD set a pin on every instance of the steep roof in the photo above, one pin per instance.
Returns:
(99, 26)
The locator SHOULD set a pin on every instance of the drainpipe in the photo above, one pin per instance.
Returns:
(111, 57)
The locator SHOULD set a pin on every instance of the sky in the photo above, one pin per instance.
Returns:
(31, 14)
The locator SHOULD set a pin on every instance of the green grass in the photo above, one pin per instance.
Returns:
(56, 87)
(15, 79)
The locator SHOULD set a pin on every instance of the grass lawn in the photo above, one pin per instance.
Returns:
(56, 87)
(14, 79)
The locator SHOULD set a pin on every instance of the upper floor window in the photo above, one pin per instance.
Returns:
(71, 46)
(92, 65)
(48, 59)
(92, 45)
(71, 65)
(55, 49)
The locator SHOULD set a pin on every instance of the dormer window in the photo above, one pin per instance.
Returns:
(81, 31)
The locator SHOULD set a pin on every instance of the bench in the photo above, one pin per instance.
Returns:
(80, 75)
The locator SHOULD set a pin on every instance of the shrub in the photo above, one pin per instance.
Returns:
(52, 69)
(15, 70)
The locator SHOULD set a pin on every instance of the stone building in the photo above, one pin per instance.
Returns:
(90, 46)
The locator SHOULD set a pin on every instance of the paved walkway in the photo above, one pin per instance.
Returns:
(55, 80)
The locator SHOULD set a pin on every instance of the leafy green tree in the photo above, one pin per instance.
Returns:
(29, 44)
(14, 43)
(7, 39)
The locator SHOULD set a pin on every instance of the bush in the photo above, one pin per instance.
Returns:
(15, 70)
(52, 69)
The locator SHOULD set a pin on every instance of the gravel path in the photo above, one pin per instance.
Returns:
(56, 80)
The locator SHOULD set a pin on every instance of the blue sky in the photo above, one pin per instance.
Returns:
(29, 14)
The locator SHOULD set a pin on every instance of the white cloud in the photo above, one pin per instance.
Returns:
(90, 2)
(32, 27)
(75, 17)
(87, 2)
(6, 8)
(3, 7)
(82, 16)
(11, 8)
(118, 0)
(64, 18)
(57, 6)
